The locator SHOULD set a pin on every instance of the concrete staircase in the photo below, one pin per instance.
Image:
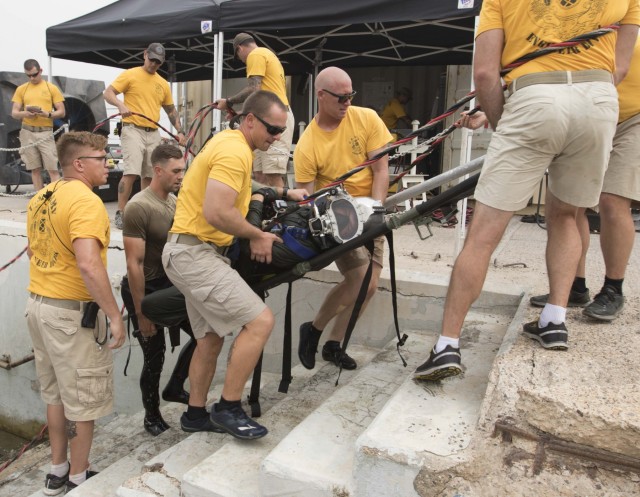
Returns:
(364, 437)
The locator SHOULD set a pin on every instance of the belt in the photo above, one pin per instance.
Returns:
(559, 78)
(74, 305)
(185, 239)
(37, 129)
(143, 128)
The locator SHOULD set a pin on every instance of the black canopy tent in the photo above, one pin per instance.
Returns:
(304, 33)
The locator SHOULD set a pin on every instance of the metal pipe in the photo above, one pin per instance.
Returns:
(7, 364)
(434, 182)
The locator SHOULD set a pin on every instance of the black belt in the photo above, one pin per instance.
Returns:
(74, 305)
(37, 129)
(143, 128)
(185, 239)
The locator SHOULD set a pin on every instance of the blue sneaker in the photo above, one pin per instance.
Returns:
(236, 423)
(200, 424)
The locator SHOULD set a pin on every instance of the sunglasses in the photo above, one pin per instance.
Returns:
(347, 97)
(155, 61)
(33, 75)
(271, 129)
(102, 158)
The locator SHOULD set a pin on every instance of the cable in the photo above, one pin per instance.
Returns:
(28, 445)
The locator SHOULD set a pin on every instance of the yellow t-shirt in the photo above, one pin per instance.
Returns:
(393, 111)
(43, 95)
(226, 158)
(322, 156)
(529, 25)
(629, 88)
(73, 211)
(144, 93)
(264, 63)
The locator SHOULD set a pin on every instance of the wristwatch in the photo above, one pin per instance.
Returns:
(285, 190)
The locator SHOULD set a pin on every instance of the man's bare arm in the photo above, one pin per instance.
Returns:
(486, 74)
(254, 84)
(627, 36)
(135, 250)
(380, 170)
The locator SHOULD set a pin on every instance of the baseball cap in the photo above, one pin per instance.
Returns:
(239, 40)
(156, 51)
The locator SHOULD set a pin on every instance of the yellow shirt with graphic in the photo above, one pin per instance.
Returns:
(529, 25)
(144, 93)
(226, 158)
(44, 95)
(629, 88)
(264, 63)
(73, 211)
(393, 111)
(322, 156)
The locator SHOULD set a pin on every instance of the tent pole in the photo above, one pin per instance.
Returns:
(50, 76)
(218, 41)
(465, 157)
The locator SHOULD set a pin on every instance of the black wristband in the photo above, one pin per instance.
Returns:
(228, 102)
(285, 190)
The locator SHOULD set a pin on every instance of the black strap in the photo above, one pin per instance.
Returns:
(394, 296)
(126, 364)
(285, 381)
(357, 306)
(254, 394)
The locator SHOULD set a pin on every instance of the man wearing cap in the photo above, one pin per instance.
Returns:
(394, 113)
(37, 103)
(145, 91)
(264, 72)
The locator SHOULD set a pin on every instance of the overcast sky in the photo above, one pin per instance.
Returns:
(23, 36)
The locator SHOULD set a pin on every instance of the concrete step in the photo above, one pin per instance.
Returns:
(316, 458)
(430, 425)
(307, 391)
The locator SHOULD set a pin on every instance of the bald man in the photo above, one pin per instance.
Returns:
(340, 137)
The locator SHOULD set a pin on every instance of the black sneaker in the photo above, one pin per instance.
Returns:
(331, 352)
(200, 424)
(54, 485)
(71, 485)
(235, 422)
(553, 336)
(447, 362)
(154, 425)
(576, 299)
(308, 345)
(606, 305)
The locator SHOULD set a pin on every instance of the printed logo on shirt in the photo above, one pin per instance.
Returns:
(356, 147)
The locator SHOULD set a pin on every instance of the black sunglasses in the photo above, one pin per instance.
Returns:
(347, 97)
(34, 75)
(156, 61)
(101, 158)
(271, 129)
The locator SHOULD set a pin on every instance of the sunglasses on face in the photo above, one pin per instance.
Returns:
(33, 75)
(101, 158)
(346, 97)
(271, 129)
(155, 61)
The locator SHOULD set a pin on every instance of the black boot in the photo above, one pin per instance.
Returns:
(332, 352)
(174, 390)
(308, 345)
(154, 424)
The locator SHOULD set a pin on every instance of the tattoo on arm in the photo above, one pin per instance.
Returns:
(174, 117)
(255, 83)
(120, 187)
(72, 431)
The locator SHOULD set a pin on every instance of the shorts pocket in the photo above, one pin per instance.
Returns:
(64, 320)
(220, 292)
(523, 103)
(95, 385)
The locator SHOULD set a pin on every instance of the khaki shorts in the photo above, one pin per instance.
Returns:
(72, 369)
(137, 145)
(360, 256)
(567, 129)
(44, 155)
(276, 159)
(623, 174)
(218, 299)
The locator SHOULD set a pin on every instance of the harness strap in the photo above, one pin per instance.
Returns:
(254, 393)
(285, 381)
(394, 296)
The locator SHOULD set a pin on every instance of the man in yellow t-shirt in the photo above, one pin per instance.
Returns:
(264, 72)
(340, 137)
(394, 115)
(210, 212)
(560, 115)
(37, 103)
(68, 235)
(145, 91)
(617, 231)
